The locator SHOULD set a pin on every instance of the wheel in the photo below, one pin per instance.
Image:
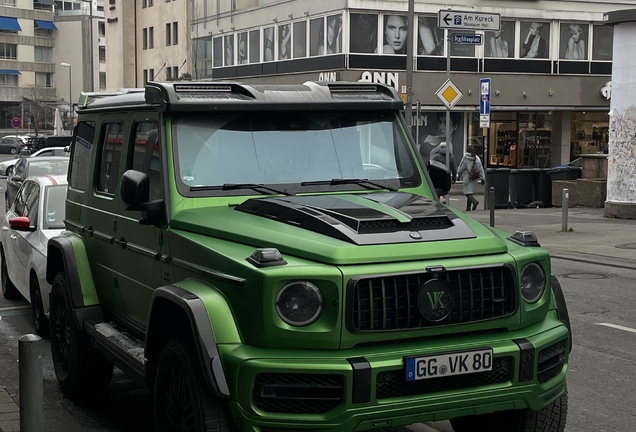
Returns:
(40, 321)
(182, 401)
(9, 291)
(9, 171)
(551, 418)
(14, 150)
(80, 369)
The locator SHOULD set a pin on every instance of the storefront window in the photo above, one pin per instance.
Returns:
(590, 133)
(503, 139)
(520, 140)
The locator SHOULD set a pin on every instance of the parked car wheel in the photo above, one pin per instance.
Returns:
(80, 368)
(9, 290)
(550, 419)
(40, 321)
(14, 150)
(181, 396)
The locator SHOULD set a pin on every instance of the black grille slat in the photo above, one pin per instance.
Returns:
(393, 383)
(298, 393)
(550, 362)
(479, 294)
(438, 222)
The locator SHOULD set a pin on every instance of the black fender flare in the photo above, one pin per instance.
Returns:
(562, 307)
(199, 327)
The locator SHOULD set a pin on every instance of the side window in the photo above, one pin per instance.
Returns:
(46, 153)
(145, 156)
(81, 153)
(31, 200)
(20, 199)
(110, 155)
(19, 168)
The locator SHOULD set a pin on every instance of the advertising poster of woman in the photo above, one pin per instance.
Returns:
(430, 39)
(573, 41)
(229, 50)
(395, 32)
(268, 44)
(363, 35)
(501, 43)
(433, 132)
(242, 48)
(284, 42)
(316, 38)
(535, 40)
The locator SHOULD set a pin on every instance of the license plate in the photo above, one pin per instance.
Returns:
(443, 365)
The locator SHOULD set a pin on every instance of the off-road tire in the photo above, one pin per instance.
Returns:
(40, 321)
(182, 401)
(551, 418)
(80, 369)
(9, 291)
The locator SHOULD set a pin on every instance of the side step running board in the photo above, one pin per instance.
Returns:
(123, 350)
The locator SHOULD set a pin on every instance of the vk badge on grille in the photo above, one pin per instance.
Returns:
(435, 300)
(415, 235)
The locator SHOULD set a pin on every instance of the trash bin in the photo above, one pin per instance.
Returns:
(521, 183)
(542, 187)
(565, 173)
(499, 178)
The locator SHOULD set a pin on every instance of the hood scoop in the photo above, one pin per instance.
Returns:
(367, 219)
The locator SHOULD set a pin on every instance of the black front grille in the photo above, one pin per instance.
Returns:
(298, 393)
(420, 224)
(550, 362)
(390, 302)
(392, 384)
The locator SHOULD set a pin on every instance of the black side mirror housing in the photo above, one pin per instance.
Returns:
(134, 190)
(440, 176)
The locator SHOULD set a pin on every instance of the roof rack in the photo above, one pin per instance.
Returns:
(87, 97)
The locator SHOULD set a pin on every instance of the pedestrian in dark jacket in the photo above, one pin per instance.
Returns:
(440, 156)
(465, 167)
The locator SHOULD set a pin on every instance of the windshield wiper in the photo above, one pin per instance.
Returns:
(341, 181)
(234, 186)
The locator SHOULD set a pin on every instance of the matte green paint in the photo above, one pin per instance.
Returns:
(83, 269)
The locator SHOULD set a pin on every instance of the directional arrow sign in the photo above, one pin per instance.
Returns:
(468, 20)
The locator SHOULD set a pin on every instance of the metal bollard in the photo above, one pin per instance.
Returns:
(564, 209)
(31, 392)
(491, 204)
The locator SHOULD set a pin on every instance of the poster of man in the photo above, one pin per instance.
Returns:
(574, 39)
(433, 132)
(363, 36)
(501, 43)
(603, 43)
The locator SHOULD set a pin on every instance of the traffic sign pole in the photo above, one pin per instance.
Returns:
(449, 141)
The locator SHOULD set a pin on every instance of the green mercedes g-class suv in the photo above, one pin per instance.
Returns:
(275, 258)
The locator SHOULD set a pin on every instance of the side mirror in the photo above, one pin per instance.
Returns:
(134, 191)
(440, 176)
(21, 223)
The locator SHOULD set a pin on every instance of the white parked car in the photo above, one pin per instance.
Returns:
(36, 215)
(6, 167)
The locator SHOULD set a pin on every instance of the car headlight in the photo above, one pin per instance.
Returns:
(299, 303)
(532, 282)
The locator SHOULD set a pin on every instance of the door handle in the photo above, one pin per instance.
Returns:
(121, 242)
(5, 228)
(14, 237)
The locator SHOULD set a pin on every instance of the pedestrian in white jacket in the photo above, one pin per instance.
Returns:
(469, 161)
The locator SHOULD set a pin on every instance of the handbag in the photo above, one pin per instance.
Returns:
(474, 173)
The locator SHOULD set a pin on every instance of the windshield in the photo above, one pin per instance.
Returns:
(41, 167)
(291, 148)
(54, 202)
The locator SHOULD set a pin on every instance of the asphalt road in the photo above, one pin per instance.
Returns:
(601, 375)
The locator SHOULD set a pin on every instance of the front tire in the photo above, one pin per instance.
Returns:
(80, 369)
(9, 291)
(14, 150)
(551, 418)
(40, 322)
(182, 401)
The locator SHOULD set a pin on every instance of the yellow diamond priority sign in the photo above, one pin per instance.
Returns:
(449, 94)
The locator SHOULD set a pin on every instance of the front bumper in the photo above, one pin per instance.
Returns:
(536, 356)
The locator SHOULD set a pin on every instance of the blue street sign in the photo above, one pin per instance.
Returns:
(484, 96)
(469, 39)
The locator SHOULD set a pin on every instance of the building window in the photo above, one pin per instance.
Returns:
(43, 54)
(151, 37)
(8, 51)
(151, 3)
(603, 42)
(151, 74)
(102, 81)
(144, 3)
(255, 43)
(102, 54)
(590, 133)
(42, 32)
(101, 28)
(42, 6)
(7, 2)
(535, 40)
(145, 76)
(168, 73)
(8, 80)
(144, 39)
(43, 79)
(175, 33)
(175, 72)
(168, 34)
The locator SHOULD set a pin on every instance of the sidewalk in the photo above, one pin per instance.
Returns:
(591, 238)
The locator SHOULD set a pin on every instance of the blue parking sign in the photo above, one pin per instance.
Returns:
(484, 96)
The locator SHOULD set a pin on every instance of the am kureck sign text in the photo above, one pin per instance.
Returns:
(468, 20)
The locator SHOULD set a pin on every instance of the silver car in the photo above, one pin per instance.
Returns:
(36, 215)
(6, 167)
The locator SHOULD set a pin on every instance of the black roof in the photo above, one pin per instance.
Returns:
(212, 96)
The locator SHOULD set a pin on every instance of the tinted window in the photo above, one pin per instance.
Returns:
(110, 155)
(81, 154)
(145, 156)
(20, 199)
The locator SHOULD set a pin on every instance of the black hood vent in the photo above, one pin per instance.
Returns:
(366, 219)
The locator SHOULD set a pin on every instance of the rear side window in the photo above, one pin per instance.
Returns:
(145, 156)
(81, 153)
(111, 143)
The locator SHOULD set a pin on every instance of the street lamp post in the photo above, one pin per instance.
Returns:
(70, 97)
(92, 62)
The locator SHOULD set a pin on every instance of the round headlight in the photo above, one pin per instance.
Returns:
(299, 303)
(532, 282)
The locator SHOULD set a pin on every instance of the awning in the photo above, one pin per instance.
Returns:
(9, 72)
(46, 25)
(9, 23)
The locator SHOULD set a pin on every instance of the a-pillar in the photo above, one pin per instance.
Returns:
(621, 161)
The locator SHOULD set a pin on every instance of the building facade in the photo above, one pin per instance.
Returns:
(549, 65)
